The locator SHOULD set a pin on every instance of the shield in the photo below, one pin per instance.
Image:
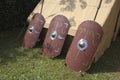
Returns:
(82, 50)
(55, 36)
(33, 31)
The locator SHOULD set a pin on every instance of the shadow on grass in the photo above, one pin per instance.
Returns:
(9, 47)
(110, 61)
(15, 14)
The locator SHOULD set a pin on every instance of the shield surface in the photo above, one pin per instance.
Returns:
(82, 50)
(33, 31)
(55, 36)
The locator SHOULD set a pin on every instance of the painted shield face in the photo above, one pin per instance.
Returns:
(33, 31)
(82, 50)
(55, 37)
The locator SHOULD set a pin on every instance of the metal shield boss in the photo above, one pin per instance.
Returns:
(33, 31)
(55, 36)
(83, 47)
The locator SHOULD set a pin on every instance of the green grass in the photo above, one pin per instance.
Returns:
(17, 63)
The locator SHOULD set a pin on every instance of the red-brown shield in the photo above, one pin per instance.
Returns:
(55, 36)
(33, 31)
(82, 50)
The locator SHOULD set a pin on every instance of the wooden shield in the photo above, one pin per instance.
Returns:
(82, 50)
(33, 31)
(55, 36)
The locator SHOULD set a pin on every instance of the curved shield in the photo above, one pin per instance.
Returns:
(33, 31)
(82, 50)
(55, 37)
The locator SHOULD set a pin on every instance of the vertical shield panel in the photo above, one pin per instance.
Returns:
(82, 50)
(33, 31)
(55, 36)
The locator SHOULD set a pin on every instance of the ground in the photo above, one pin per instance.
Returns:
(17, 63)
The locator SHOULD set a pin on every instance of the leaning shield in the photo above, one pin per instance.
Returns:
(82, 50)
(33, 31)
(55, 36)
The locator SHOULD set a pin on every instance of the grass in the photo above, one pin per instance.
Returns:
(17, 63)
